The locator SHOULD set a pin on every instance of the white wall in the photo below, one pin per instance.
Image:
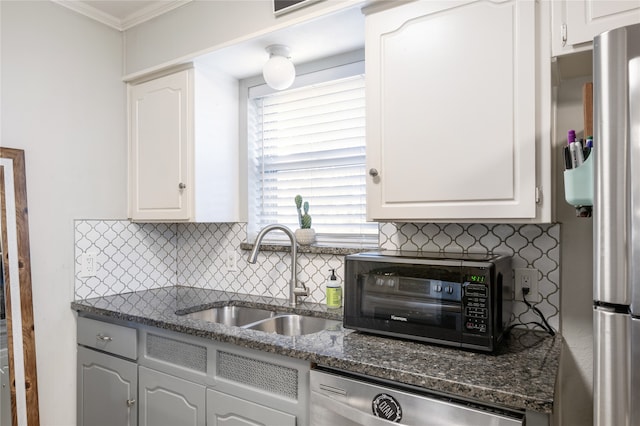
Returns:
(63, 103)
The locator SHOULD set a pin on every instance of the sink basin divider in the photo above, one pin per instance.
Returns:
(277, 315)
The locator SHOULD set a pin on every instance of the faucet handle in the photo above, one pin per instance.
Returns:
(301, 291)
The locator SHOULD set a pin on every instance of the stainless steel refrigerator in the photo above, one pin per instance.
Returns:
(616, 212)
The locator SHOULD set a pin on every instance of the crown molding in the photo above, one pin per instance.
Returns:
(133, 19)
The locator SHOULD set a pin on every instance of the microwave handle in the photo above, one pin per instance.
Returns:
(348, 412)
(447, 307)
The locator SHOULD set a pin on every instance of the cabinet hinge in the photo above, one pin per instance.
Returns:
(563, 34)
(538, 194)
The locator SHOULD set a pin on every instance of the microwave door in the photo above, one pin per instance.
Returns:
(422, 320)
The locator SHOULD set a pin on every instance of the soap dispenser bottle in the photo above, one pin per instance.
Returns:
(334, 291)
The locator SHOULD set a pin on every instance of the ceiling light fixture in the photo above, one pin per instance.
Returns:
(278, 71)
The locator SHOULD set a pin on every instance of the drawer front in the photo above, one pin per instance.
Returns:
(112, 338)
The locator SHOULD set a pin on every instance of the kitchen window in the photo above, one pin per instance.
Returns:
(310, 140)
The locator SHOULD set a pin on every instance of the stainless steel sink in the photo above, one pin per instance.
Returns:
(264, 320)
(294, 325)
(232, 315)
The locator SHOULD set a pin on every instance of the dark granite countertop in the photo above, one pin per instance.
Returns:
(520, 375)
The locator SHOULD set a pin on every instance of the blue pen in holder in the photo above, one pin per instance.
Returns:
(578, 183)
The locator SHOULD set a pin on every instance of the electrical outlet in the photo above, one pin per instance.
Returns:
(231, 261)
(526, 278)
(88, 265)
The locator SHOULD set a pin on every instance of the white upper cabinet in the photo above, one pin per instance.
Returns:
(577, 22)
(183, 148)
(453, 113)
(161, 135)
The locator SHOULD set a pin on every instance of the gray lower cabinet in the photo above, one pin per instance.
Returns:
(107, 389)
(165, 400)
(240, 386)
(107, 374)
(133, 374)
(223, 410)
(5, 385)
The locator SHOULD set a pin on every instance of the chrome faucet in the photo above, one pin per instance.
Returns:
(294, 290)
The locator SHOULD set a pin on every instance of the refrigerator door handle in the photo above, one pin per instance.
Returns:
(635, 370)
(634, 156)
(612, 368)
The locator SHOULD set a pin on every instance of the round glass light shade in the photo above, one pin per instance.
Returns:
(279, 72)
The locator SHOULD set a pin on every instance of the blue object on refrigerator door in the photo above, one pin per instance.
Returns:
(578, 183)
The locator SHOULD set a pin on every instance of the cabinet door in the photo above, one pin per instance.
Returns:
(227, 410)
(107, 388)
(581, 20)
(451, 111)
(5, 394)
(161, 143)
(169, 401)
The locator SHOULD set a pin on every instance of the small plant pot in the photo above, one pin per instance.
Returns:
(305, 236)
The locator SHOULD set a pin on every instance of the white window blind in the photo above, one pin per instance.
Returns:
(311, 141)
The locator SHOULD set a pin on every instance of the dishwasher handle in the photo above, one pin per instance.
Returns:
(319, 400)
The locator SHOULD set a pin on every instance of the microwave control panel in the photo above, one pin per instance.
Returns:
(475, 302)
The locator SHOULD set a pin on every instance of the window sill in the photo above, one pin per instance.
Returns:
(312, 249)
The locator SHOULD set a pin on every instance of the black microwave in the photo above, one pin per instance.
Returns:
(462, 300)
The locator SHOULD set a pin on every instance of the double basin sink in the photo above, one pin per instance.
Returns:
(283, 323)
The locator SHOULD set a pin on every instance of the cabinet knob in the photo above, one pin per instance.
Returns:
(373, 172)
(181, 185)
(131, 402)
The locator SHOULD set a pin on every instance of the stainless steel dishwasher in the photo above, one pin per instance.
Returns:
(339, 399)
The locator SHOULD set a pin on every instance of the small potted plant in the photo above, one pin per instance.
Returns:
(305, 234)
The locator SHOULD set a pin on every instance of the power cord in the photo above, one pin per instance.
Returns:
(544, 324)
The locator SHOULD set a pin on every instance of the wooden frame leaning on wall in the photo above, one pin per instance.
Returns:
(14, 226)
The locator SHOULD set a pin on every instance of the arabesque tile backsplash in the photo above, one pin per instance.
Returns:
(134, 256)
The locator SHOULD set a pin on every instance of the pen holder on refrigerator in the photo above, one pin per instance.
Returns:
(578, 183)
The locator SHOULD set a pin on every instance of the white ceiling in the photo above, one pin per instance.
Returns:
(337, 33)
